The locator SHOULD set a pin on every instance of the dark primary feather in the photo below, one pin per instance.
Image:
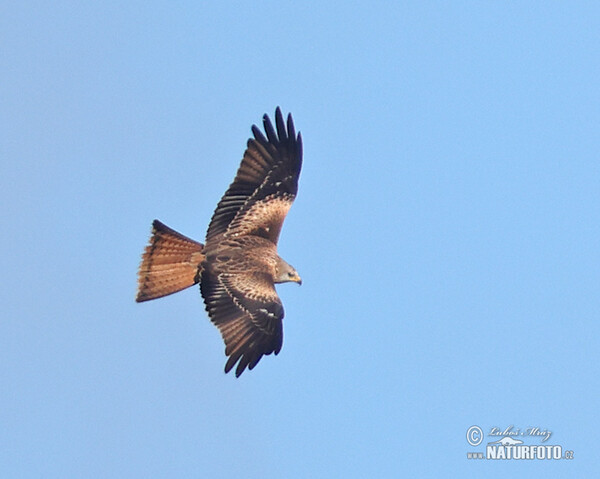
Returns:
(248, 312)
(269, 171)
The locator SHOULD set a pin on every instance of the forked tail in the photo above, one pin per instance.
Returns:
(171, 262)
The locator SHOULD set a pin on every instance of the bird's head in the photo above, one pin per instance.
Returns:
(286, 273)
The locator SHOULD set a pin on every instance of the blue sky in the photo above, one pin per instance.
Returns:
(446, 230)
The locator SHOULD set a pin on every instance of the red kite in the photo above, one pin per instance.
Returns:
(238, 266)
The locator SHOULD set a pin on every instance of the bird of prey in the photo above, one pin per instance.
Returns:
(238, 266)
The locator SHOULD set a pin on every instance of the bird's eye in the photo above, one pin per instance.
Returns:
(291, 275)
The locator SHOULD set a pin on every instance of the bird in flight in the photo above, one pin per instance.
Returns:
(238, 266)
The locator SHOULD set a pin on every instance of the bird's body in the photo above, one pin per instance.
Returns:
(239, 265)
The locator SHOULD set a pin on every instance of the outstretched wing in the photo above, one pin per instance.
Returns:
(249, 314)
(265, 186)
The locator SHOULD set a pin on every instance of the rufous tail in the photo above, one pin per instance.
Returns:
(171, 262)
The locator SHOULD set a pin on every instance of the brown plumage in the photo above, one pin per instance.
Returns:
(238, 267)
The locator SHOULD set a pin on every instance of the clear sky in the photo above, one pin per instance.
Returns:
(446, 229)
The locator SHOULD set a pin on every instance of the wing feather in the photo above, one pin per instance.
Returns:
(265, 185)
(246, 309)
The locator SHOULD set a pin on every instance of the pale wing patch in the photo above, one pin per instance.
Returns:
(264, 218)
